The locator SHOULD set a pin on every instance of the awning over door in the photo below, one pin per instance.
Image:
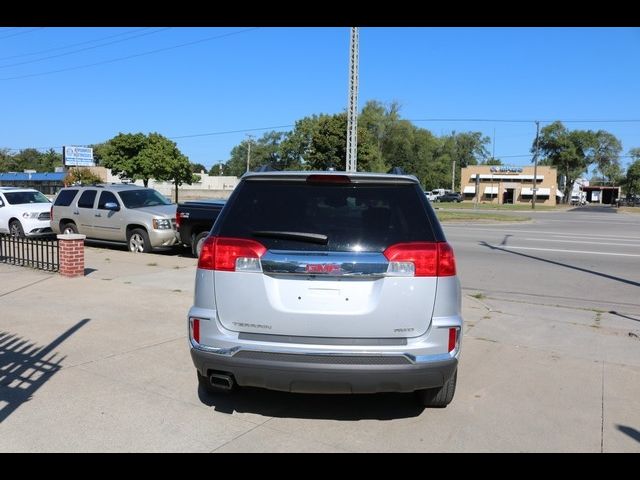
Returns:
(542, 192)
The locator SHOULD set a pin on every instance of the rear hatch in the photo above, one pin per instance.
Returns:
(310, 256)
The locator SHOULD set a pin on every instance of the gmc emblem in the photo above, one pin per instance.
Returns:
(323, 268)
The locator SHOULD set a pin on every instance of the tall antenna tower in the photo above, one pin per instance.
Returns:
(352, 113)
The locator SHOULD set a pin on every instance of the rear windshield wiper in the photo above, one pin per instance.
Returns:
(301, 236)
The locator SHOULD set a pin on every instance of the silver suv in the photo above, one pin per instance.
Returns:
(141, 217)
(327, 283)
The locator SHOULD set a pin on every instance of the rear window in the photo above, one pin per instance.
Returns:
(146, 197)
(65, 197)
(354, 217)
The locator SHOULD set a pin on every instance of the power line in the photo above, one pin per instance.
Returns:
(73, 44)
(149, 52)
(84, 49)
(232, 131)
(22, 33)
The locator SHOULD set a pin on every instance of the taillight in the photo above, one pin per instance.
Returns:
(51, 212)
(178, 220)
(195, 329)
(446, 260)
(328, 178)
(453, 338)
(231, 254)
(421, 259)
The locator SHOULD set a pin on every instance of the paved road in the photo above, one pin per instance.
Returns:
(586, 257)
(101, 363)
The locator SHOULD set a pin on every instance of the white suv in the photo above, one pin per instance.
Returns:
(24, 212)
(328, 283)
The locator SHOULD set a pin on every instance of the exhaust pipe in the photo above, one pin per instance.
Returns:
(221, 381)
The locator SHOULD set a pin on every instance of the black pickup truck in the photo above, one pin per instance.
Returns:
(194, 220)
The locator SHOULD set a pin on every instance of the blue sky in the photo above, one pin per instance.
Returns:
(240, 78)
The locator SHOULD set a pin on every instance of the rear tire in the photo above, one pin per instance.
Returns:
(439, 397)
(138, 241)
(15, 229)
(69, 228)
(198, 241)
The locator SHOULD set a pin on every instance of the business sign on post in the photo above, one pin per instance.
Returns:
(78, 156)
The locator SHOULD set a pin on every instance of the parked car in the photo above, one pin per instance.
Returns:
(24, 212)
(140, 217)
(450, 197)
(327, 282)
(432, 197)
(194, 220)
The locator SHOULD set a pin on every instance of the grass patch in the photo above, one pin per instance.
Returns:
(493, 206)
(629, 209)
(152, 264)
(479, 296)
(478, 217)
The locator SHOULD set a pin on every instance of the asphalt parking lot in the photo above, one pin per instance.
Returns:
(550, 357)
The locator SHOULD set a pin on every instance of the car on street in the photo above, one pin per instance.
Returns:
(450, 197)
(327, 282)
(24, 212)
(124, 213)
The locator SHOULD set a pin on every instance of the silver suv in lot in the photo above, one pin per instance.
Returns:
(327, 282)
(141, 217)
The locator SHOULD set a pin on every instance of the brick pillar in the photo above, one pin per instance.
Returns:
(71, 254)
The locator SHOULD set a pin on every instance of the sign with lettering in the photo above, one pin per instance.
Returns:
(78, 156)
(505, 169)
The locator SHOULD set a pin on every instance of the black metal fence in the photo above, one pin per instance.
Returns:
(41, 253)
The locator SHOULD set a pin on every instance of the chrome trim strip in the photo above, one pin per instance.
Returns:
(415, 359)
(325, 264)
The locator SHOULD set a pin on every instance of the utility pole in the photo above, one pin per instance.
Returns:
(352, 112)
(249, 149)
(535, 166)
(493, 149)
(453, 177)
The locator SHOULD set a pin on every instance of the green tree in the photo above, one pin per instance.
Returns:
(121, 154)
(492, 161)
(631, 181)
(606, 155)
(566, 150)
(198, 167)
(265, 151)
(217, 169)
(319, 142)
(165, 162)
(81, 175)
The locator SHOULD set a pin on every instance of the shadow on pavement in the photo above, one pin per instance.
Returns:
(632, 432)
(594, 208)
(24, 367)
(613, 312)
(270, 403)
(566, 265)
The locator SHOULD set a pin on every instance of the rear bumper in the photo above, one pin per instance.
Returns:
(328, 373)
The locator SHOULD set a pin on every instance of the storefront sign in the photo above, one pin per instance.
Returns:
(505, 169)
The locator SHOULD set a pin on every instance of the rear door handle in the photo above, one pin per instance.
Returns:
(98, 215)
